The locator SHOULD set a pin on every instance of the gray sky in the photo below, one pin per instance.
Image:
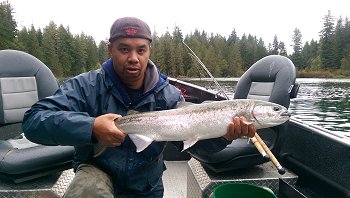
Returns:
(261, 18)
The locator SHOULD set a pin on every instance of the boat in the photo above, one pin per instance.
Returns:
(316, 161)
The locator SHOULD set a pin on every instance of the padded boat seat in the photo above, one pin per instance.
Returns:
(272, 78)
(23, 80)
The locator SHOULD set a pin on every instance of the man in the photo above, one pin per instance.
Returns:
(82, 111)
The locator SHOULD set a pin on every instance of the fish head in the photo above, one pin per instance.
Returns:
(267, 114)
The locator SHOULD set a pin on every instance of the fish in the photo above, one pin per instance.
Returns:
(191, 123)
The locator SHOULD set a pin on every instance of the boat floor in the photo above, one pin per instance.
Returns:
(175, 179)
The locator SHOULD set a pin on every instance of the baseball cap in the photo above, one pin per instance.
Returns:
(129, 27)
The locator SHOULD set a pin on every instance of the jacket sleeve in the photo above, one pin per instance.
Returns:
(63, 118)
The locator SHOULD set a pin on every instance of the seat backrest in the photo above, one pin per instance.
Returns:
(23, 80)
(272, 78)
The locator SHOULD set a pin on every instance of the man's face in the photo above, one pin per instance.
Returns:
(130, 57)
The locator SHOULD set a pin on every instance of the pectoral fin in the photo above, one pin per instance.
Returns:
(190, 142)
(141, 142)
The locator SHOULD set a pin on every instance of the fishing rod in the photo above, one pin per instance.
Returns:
(195, 57)
(257, 141)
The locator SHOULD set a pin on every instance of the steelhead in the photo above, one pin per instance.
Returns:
(198, 121)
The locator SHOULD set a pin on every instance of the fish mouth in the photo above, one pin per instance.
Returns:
(285, 114)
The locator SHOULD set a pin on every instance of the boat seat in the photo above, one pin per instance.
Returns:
(272, 78)
(23, 80)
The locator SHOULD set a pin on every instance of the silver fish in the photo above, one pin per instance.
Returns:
(198, 121)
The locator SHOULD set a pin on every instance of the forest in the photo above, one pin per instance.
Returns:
(68, 55)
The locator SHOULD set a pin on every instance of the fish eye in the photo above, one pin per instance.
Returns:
(276, 108)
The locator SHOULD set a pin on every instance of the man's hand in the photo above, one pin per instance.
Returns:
(238, 128)
(105, 131)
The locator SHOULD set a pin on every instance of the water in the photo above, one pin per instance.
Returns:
(321, 102)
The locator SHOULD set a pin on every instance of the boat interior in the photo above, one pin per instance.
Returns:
(316, 161)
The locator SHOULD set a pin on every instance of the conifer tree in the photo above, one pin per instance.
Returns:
(8, 26)
(78, 56)
(103, 51)
(49, 45)
(34, 45)
(22, 41)
(274, 45)
(177, 52)
(297, 47)
(65, 49)
(327, 50)
(339, 45)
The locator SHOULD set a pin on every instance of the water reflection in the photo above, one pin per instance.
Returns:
(321, 102)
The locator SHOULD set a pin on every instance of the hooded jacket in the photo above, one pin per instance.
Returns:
(67, 117)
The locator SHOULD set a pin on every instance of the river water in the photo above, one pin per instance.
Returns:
(321, 102)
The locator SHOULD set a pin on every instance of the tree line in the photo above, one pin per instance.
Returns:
(67, 54)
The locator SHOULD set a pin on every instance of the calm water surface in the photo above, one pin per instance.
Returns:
(321, 102)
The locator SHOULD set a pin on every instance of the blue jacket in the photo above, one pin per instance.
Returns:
(67, 117)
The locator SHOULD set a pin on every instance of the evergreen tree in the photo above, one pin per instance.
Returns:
(297, 47)
(345, 61)
(50, 38)
(64, 49)
(327, 51)
(22, 40)
(310, 52)
(246, 53)
(156, 49)
(39, 35)
(34, 47)
(339, 44)
(260, 50)
(178, 59)
(346, 32)
(68, 55)
(233, 38)
(165, 58)
(103, 51)
(8, 26)
(187, 60)
(92, 61)
(79, 55)
(282, 49)
(234, 61)
(275, 43)
(177, 52)
(194, 69)
(210, 61)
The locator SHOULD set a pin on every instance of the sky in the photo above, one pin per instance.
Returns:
(261, 18)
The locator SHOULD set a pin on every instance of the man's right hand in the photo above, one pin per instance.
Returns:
(105, 131)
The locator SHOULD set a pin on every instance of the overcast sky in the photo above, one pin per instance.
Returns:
(261, 18)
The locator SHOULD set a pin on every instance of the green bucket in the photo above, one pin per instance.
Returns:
(242, 190)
